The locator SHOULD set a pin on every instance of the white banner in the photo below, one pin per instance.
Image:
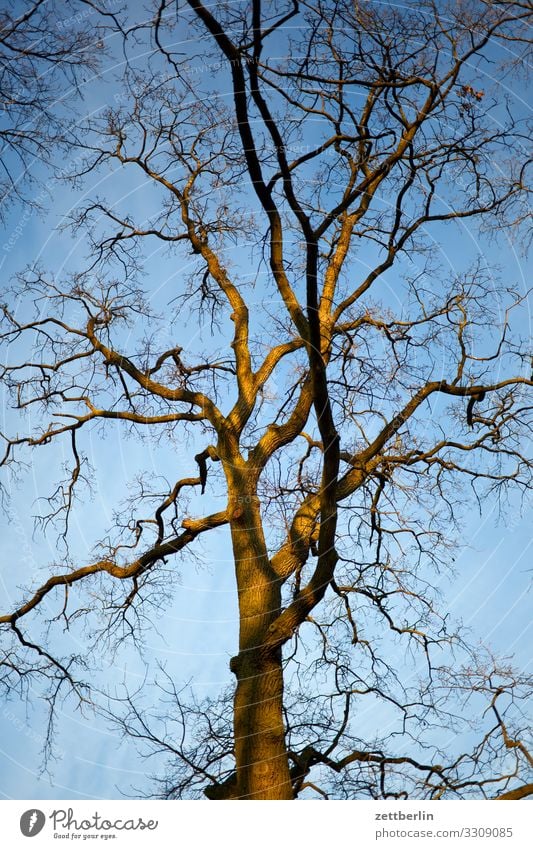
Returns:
(266, 825)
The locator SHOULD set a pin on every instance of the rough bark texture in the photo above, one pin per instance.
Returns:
(262, 770)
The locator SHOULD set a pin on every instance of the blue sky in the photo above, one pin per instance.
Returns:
(196, 633)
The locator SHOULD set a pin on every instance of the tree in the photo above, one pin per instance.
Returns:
(346, 423)
(44, 55)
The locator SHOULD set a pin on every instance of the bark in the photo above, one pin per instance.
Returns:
(516, 794)
(262, 768)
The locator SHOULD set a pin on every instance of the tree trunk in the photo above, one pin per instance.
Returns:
(260, 750)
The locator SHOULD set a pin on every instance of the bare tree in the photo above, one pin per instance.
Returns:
(47, 51)
(348, 423)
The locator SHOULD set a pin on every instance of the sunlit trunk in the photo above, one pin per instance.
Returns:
(260, 749)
